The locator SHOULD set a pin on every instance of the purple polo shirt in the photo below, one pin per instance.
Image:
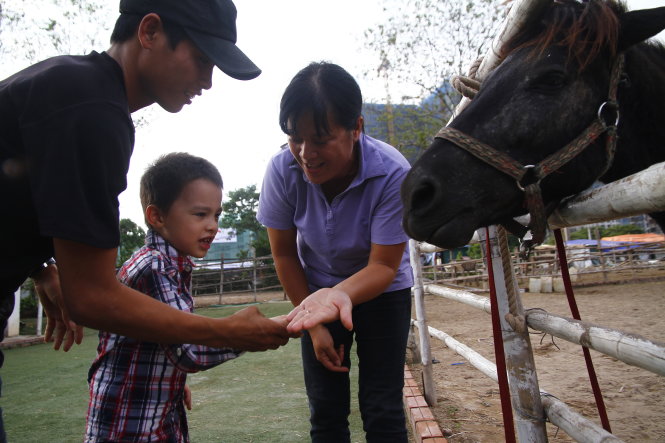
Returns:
(334, 239)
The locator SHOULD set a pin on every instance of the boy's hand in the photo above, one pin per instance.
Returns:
(282, 320)
(47, 286)
(187, 398)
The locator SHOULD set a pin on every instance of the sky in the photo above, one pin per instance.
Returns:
(235, 123)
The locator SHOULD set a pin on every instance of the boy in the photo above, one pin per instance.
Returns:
(137, 388)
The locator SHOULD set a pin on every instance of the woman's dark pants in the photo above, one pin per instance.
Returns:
(381, 327)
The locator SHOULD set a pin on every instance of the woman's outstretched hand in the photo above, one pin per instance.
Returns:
(323, 306)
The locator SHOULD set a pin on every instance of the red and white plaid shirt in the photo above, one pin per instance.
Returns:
(137, 387)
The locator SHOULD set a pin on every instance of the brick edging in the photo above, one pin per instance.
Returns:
(424, 426)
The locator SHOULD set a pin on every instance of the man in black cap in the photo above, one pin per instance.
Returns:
(65, 143)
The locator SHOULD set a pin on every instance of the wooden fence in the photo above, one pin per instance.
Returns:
(626, 263)
(250, 275)
(529, 401)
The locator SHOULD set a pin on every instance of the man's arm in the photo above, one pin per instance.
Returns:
(93, 297)
(59, 329)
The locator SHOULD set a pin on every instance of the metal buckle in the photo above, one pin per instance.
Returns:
(609, 106)
(519, 185)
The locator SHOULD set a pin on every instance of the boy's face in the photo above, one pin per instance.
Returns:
(173, 77)
(191, 223)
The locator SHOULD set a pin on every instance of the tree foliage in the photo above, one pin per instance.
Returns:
(610, 231)
(132, 237)
(417, 49)
(53, 27)
(240, 215)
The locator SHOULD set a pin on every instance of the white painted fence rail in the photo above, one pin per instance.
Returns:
(576, 426)
(631, 349)
(557, 412)
(640, 193)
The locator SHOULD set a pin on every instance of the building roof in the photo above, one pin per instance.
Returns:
(636, 238)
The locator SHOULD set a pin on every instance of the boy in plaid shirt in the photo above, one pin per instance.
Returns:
(137, 388)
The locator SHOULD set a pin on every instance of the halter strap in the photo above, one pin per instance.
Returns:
(536, 173)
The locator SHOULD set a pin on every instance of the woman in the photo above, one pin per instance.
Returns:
(332, 208)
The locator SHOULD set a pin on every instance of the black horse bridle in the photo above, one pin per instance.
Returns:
(528, 177)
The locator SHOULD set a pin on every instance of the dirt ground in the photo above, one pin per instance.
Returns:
(469, 408)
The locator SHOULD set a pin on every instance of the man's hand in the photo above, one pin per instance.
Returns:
(323, 306)
(59, 327)
(250, 330)
(324, 349)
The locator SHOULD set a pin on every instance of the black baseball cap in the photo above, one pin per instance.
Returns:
(210, 24)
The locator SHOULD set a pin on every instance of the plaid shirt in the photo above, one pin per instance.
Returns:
(137, 388)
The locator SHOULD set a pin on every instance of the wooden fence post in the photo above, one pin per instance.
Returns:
(421, 322)
(520, 365)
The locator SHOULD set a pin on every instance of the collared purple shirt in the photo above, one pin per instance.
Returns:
(334, 239)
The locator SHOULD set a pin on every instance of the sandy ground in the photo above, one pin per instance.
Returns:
(469, 408)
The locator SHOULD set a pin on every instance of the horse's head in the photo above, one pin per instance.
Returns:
(546, 92)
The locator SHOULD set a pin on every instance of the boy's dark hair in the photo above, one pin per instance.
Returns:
(163, 181)
(321, 88)
(127, 24)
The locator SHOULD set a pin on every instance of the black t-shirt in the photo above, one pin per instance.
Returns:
(66, 138)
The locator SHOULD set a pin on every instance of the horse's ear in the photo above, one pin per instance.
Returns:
(637, 26)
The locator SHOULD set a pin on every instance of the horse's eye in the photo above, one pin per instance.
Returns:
(550, 81)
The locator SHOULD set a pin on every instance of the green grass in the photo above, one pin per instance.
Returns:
(259, 397)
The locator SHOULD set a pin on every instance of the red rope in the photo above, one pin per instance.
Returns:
(563, 263)
(504, 392)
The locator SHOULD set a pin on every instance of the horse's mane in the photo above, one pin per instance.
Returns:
(584, 28)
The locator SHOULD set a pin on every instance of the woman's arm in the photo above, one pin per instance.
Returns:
(287, 264)
(373, 279)
(292, 276)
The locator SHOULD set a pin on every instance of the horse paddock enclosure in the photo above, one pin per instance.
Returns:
(468, 405)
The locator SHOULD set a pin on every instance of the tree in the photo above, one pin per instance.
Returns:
(610, 231)
(239, 214)
(38, 29)
(132, 237)
(614, 230)
(52, 27)
(419, 46)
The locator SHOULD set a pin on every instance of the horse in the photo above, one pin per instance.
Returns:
(578, 97)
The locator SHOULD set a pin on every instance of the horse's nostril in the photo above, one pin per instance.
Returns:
(423, 196)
